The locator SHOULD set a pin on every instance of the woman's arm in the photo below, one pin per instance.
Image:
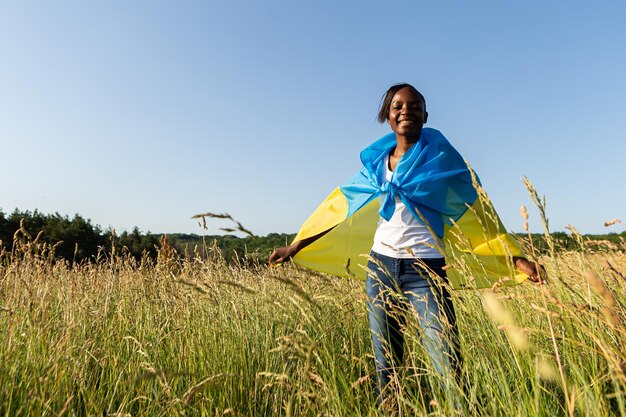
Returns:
(285, 253)
(535, 272)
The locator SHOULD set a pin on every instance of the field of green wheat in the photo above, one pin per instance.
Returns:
(196, 336)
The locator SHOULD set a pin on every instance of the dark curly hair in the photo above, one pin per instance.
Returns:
(385, 102)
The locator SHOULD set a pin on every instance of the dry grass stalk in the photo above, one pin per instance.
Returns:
(612, 222)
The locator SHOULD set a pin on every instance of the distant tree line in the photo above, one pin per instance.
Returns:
(77, 239)
(80, 239)
(250, 249)
(562, 241)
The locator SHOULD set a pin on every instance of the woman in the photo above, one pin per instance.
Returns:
(424, 187)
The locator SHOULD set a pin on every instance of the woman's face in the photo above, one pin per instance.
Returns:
(407, 113)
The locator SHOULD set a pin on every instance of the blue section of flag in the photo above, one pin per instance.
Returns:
(431, 178)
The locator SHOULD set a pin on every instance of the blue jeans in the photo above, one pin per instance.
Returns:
(397, 286)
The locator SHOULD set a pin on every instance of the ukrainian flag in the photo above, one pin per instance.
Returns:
(435, 183)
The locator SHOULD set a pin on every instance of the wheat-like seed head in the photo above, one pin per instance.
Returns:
(546, 370)
(524, 212)
(506, 322)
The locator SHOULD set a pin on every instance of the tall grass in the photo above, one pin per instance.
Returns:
(196, 336)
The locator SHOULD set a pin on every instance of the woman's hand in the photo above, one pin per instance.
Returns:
(536, 272)
(283, 254)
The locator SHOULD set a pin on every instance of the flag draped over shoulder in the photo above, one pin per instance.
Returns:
(435, 183)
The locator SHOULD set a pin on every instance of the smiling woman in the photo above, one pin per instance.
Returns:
(406, 115)
(413, 197)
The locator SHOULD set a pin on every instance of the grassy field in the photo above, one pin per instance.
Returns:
(196, 336)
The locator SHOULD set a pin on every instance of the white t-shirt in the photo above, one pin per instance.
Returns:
(403, 231)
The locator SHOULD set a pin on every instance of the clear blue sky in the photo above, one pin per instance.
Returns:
(147, 112)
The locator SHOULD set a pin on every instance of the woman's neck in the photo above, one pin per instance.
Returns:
(403, 144)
